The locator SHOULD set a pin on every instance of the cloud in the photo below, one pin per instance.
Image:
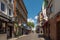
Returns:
(30, 20)
(36, 17)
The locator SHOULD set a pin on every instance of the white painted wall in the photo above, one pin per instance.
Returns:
(44, 13)
(7, 7)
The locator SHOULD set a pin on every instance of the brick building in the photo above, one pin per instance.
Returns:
(20, 15)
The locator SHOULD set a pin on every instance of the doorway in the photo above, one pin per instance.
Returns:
(9, 32)
(58, 30)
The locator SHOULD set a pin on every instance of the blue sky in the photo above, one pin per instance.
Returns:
(33, 7)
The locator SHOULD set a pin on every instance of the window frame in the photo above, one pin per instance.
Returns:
(10, 12)
(51, 8)
(2, 6)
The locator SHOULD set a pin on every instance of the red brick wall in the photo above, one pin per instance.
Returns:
(21, 5)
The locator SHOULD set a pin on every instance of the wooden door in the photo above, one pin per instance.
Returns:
(58, 30)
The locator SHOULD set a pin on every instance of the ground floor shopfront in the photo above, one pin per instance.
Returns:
(55, 27)
(46, 28)
(52, 28)
(17, 30)
(21, 30)
(6, 27)
(9, 30)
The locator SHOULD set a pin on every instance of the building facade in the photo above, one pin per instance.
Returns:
(40, 23)
(6, 17)
(45, 21)
(20, 15)
(53, 10)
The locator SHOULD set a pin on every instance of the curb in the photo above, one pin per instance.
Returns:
(17, 37)
(22, 36)
(13, 39)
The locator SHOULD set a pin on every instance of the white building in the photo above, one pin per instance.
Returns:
(6, 14)
(44, 11)
(6, 7)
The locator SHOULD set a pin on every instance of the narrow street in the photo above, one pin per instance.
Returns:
(29, 19)
(32, 36)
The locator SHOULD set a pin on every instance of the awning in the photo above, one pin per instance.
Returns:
(4, 19)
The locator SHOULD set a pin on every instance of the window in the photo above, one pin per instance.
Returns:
(10, 12)
(51, 8)
(2, 6)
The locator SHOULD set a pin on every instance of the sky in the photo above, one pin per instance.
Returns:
(33, 7)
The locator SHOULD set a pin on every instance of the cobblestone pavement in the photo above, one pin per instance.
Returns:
(32, 36)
